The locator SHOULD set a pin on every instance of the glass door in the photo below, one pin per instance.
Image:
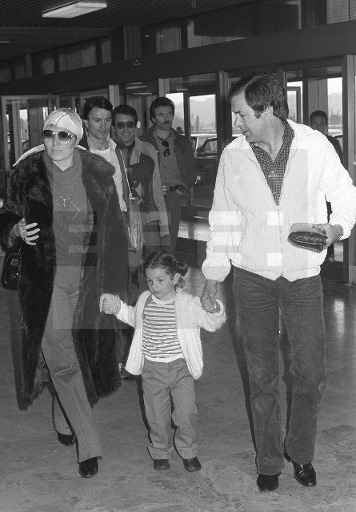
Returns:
(22, 120)
(204, 140)
(349, 153)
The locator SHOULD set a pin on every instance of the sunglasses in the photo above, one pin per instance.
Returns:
(63, 137)
(167, 151)
(122, 124)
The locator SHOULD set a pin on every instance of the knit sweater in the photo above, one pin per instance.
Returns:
(250, 231)
(190, 317)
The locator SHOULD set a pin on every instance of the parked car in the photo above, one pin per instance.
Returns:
(206, 158)
(198, 140)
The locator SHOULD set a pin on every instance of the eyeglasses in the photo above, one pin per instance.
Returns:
(63, 137)
(167, 151)
(122, 124)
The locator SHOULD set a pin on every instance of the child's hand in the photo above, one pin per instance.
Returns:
(216, 308)
(207, 299)
(110, 304)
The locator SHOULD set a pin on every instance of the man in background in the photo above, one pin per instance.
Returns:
(176, 162)
(142, 186)
(319, 121)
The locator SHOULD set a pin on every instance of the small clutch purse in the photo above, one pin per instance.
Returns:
(307, 237)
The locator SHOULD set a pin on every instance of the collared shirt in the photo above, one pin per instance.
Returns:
(110, 156)
(274, 170)
(168, 166)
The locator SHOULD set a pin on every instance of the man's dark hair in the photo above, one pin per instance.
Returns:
(263, 89)
(98, 102)
(160, 102)
(126, 110)
(319, 113)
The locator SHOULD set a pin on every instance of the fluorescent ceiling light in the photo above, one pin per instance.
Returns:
(73, 9)
(132, 86)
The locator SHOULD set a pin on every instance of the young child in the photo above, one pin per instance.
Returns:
(166, 350)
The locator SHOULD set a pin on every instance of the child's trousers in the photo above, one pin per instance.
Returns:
(160, 383)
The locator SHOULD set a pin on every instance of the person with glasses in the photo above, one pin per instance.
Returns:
(176, 162)
(143, 178)
(62, 202)
(143, 192)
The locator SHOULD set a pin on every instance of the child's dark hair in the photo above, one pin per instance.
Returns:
(167, 261)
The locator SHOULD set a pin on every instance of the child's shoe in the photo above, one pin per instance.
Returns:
(192, 464)
(161, 464)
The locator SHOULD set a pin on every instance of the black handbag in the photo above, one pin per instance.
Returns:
(307, 237)
(12, 266)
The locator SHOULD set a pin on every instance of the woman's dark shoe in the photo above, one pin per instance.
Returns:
(267, 482)
(192, 464)
(88, 468)
(303, 473)
(66, 439)
(161, 464)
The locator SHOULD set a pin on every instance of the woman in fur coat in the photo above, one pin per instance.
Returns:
(63, 203)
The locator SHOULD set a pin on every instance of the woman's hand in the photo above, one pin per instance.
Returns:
(28, 232)
(109, 304)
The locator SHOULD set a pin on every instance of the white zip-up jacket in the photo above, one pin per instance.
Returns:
(190, 317)
(250, 231)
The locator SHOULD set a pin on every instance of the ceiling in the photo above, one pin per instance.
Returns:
(23, 30)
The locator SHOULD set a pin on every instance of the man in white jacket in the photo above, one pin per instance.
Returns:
(276, 174)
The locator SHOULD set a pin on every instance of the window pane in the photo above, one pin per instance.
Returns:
(168, 38)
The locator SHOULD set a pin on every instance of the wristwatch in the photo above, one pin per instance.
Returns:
(341, 229)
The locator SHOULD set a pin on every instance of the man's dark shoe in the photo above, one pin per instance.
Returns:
(66, 439)
(267, 482)
(303, 473)
(88, 468)
(192, 464)
(161, 464)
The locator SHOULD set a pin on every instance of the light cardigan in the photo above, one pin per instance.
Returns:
(190, 317)
(250, 231)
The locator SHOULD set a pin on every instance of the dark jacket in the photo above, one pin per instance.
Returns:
(184, 155)
(104, 269)
(336, 145)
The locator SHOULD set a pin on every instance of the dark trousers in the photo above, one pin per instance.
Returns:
(174, 211)
(259, 301)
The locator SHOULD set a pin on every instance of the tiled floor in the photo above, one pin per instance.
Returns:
(40, 475)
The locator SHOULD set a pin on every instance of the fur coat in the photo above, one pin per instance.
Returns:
(104, 270)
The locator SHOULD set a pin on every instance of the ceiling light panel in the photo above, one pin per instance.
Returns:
(74, 9)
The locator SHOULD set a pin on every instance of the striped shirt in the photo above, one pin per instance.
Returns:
(159, 337)
(274, 170)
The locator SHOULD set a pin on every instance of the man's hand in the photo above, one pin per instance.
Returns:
(207, 298)
(332, 232)
(182, 190)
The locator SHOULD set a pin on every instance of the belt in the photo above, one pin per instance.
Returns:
(166, 188)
